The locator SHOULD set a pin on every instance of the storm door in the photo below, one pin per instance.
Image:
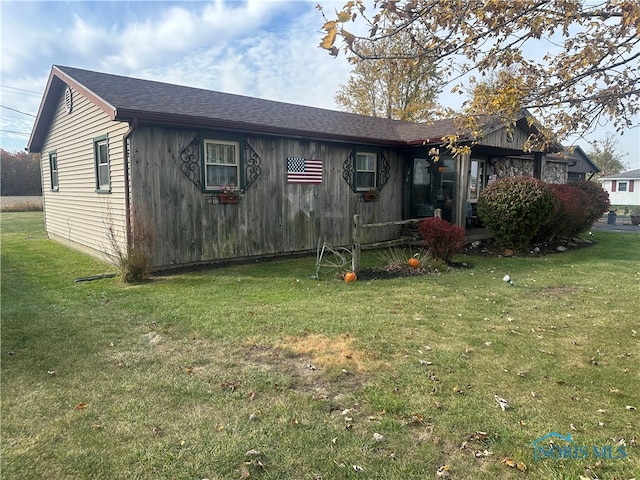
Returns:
(432, 187)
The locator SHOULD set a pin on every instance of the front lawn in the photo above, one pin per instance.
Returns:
(259, 371)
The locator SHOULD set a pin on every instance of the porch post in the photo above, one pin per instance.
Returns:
(463, 166)
(538, 165)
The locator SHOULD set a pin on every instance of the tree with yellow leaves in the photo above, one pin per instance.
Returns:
(390, 87)
(573, 64)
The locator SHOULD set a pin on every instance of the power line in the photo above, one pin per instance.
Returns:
(23, 113)
(21, 89)
(17, 133)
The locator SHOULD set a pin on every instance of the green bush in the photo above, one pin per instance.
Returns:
(515, 208)
(598, 203)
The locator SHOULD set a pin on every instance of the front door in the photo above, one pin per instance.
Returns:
(431, 188)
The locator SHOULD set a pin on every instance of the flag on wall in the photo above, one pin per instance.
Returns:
(304, 170)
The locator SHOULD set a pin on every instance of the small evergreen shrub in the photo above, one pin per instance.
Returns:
(571, 213)
(515, 208)
(598, 202)
(441, 238)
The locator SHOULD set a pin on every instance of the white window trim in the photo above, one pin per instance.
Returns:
(214, 187)
(357, 171)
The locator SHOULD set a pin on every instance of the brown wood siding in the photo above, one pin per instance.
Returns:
(273, 217)
(76, 213)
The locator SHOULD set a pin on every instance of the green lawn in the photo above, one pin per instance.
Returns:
(259, 371)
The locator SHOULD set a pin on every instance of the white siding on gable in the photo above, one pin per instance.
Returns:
(77, 213)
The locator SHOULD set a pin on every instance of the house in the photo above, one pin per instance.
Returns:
(623, 188)
(579, 166)
(112, 146)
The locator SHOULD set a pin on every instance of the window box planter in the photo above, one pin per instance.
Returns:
(370, 196)
(228, 198)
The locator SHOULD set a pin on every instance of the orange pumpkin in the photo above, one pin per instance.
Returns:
(350, 276)
(414, 262)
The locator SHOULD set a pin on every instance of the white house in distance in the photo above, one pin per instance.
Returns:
(623, 188)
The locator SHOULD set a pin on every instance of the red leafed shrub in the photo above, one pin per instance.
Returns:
(598, 202)
(441, 238)
(571, 213)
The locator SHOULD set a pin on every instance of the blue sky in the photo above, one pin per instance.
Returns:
(262, 48)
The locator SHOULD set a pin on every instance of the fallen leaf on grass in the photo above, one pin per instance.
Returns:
(96, 426)
(253, 453)
(357, 468)
(502, 402)
(80, 406)
(482, 453)
(614, 390)
(157, 431)
(443, 471)
(509, 462)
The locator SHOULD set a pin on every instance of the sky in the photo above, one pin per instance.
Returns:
(260, 48)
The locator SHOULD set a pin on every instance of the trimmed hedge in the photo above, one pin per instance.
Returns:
(515, 208)
(441, 238)
(570, 215)
(598, 203)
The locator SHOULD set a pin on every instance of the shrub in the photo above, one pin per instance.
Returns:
(441, 238)
(598, 203)
(134, 259)
(514, 209)
(571, 212)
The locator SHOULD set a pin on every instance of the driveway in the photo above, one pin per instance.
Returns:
(622, 225)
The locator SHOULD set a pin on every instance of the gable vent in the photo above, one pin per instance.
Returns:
(68, 99)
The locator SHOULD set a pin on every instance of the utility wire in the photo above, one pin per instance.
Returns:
(11, 131)
(29, 93)
(23, 113)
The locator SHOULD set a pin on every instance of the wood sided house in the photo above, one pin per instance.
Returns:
(112, 145)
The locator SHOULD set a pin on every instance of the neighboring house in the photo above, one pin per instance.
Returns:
(114, 145)
(623, 188)
(580, 166)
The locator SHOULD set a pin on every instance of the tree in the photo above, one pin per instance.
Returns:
(398, 88)
(20, 173)
(589, 73)
(605, 156)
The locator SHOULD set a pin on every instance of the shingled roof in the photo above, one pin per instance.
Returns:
(628, 175)
(126, 98)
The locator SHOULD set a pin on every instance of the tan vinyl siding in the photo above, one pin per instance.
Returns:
(76, 213)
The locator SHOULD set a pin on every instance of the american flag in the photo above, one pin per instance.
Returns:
(304, 170)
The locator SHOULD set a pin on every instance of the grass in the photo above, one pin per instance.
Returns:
(258, 371)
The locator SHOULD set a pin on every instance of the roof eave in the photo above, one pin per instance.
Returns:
(245, 127)
(58, 78)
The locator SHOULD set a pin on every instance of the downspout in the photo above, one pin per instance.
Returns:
(127, 191)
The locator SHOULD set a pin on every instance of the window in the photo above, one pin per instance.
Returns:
(221, 164)
(53, 170)
(476, 180)
(622, 186)
(366, 167)
(101, 158)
